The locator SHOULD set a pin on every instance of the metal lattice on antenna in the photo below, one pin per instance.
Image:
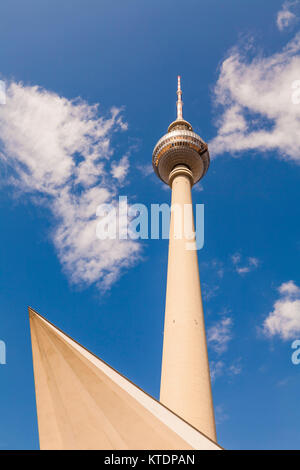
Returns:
(179, 100)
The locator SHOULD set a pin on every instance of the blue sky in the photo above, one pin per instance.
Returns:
(239, 62)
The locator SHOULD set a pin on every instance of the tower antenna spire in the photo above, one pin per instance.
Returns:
(179, 100)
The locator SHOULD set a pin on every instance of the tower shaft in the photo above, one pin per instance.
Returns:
(185, 378)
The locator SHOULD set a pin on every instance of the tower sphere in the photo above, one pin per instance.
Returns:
(180, 146)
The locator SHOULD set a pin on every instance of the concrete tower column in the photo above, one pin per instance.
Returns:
(185, 378)
(180, 159)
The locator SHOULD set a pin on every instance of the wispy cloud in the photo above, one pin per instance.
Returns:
(198, 188)
(284, 382)
(287, 16)
(218, 266)
(244, 266)
(258, 102)
(213, 272)
(289, 289)
(146, 170)
(220, 334)
(284, 320)
(220, 414)
(221, 369)
(235, 368)
(209, 291)
(60, 150)
(215, 268)
(216, 369)
(120, 169)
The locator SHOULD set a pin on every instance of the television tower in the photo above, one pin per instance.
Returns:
(180, 159)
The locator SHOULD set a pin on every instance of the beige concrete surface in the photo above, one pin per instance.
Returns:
(82, 403)
(185, 378)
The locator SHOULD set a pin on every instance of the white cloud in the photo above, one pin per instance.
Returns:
(209, 290)
(146, 170)
(283, 382)
(284, 320)
(259, 101)
(218, 267)
(220, 368)
(120, 169)
(235, 369)
(218, 337)
(213, 269)
(289, 288)
(198, 188)
(220, 414)
(220, 334)
(212, 272)
(286, 17)
(244, 267)
(60, 150)
(216, 369)
(236, 258)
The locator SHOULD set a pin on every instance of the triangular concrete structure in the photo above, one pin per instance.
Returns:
(82, 403)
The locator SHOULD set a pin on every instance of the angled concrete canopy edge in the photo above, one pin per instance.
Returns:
(83, 403)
